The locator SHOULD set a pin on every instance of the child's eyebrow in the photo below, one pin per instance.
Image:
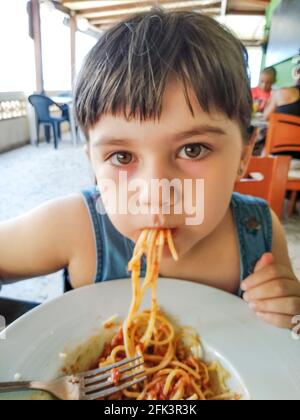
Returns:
(195, 131)
(199, 130)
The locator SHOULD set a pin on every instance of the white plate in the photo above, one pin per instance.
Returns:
(264, 361)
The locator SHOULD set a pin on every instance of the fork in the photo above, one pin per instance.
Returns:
(91, 385)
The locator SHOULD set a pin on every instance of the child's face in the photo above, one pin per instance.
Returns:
(162, 150)
(266, 82)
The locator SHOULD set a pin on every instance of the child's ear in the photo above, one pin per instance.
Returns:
(247, 154)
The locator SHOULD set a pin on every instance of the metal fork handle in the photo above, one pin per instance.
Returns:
(19, 386)
(14, 386)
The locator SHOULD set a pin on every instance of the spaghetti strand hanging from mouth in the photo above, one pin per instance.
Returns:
(151, 243)
(173, 371)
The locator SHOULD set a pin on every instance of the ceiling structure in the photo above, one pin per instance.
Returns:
(102, 14)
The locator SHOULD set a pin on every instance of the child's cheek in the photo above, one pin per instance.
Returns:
(203, 169)
(107, 171)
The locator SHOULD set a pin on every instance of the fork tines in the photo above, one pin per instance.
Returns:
(96, 383)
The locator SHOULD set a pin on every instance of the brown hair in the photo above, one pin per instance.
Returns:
(129, 68)
(271, 71)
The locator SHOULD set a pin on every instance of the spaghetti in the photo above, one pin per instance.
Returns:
(174, 371)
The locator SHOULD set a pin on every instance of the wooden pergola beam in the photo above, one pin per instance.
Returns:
(104, 24)
(168, 5)
(122, 4)
(117, 18)
(73, 29)
(248, 6)
(104, 21)
(245, 13)
(60, 6)
(149, 3)
(35, 32)
(34, 14)
(251, 3)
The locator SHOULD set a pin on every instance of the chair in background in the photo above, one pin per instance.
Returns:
(266, 178)
(284, 137)
(42, 105)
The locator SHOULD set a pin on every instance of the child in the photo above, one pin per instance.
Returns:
(286, 100)
(163, 96)
(262, 94)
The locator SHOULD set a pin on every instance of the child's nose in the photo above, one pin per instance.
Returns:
(160, 187)
(160, 195)
(152, 195)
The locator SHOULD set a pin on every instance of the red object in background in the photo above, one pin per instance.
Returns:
(271, 185)
(261, 97)
(284, 136)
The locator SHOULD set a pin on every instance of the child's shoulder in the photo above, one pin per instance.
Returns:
(254, 221)
(252, 213)
(64, 222)
(248, 200)
(74, 233)
(67, 208)
(260, 230)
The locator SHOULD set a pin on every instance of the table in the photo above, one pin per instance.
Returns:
(65, 100)
(258, 122)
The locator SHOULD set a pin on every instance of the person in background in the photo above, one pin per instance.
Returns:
(286, 100)
(262, 94)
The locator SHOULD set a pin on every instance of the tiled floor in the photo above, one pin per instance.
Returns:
(29, 176)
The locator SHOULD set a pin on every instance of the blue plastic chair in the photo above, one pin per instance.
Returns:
(42, 104)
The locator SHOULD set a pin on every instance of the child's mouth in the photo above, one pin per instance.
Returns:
(174, 231)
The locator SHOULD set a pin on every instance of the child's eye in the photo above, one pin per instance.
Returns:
(194, 151)
(121, 159)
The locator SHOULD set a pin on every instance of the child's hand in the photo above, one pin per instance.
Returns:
(273, 292)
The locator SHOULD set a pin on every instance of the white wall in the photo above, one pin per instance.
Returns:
(14, 132)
